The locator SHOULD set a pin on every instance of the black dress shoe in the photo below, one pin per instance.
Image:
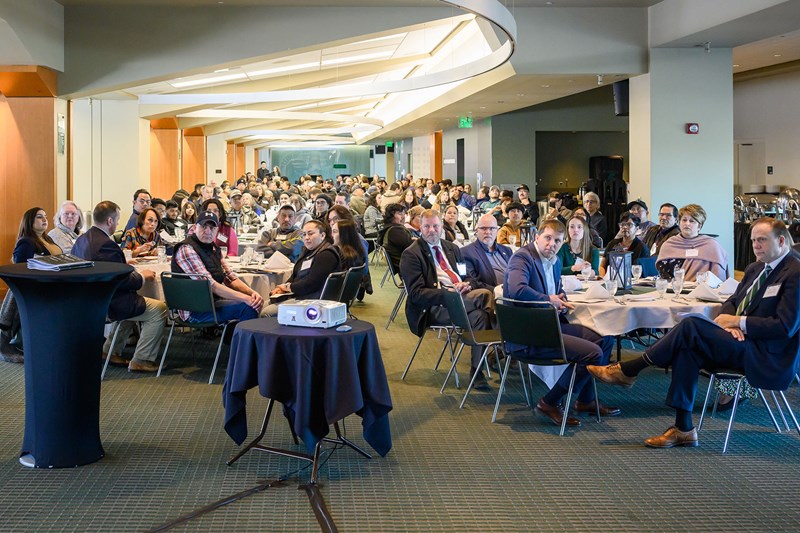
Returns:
(556, 414)
(591, 408)
(480, 382)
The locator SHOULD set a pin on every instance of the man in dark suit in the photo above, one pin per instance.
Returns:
(757, 330)
(126, 304)
(431, 266)
(534, 275)
(486, 260)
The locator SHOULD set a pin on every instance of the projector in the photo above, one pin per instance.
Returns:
(312, 314)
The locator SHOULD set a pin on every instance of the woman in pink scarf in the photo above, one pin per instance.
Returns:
(700, 252)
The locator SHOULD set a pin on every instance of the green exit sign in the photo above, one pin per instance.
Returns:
(339, 165)
(389, 144)
(465, 122)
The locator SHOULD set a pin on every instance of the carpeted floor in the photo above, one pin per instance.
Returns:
(449, 470)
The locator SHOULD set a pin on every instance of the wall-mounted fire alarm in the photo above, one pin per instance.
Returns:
(692, 128)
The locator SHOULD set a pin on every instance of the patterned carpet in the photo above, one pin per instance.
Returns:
(449, 470)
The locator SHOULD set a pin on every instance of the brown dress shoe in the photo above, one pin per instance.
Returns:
(673, 437)
(116, 360)
(611, 374)
(590, 407)
(142, 366)
(556, 414)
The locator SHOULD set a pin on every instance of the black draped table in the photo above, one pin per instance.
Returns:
(63, 316)
(319, 375)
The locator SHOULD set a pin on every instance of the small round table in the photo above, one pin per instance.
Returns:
(62, 315)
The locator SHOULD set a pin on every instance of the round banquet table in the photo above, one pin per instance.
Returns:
(319, 375)
(62, 315)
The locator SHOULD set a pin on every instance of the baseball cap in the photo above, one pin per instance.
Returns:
(638, 202)
(524, 188)
(235, 193)
(208, 217)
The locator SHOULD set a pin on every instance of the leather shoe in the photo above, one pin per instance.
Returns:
(611, 374)
(556, 414)
(142, 366)
(673, 437)
(590, 407)
(116, 360)
(480, 383)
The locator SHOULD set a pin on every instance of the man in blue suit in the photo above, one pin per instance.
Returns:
(486, 260)
(126, 304)
(757, 330)
(534, 275)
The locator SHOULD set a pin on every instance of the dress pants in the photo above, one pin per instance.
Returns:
(226, 310)
(477, 303)
(691, 345)
(152, 322)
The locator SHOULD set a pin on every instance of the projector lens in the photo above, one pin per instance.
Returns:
(312, 314)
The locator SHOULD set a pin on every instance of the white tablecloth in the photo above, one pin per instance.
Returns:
(261, 283)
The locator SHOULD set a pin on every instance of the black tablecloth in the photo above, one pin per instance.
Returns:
(742, 248)
(62, 315)
(319, 375)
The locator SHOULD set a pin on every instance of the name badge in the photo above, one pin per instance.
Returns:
(306, 264)
(280, 237)
(222, 238)
(692, 253)
(462, 269)
(772, 291)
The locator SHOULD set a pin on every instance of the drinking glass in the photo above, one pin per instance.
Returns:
(702, 277)
(245, 228)
(162, 253)
(677, 286)
(611, 286)
(224, 251)
(661, 286)
(636, 272)
(128, 255)
(512, 240)
(679, 273)
(258, 258)
(586, 270)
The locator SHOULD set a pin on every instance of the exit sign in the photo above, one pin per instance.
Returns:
(339, 165)
(389, 144)
(465, 122)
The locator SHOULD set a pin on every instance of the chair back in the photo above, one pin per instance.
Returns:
(649, 266)
(181, 292)
(533, 324)
(390, 267)
(352, 283)
(332, 289)
(454, 303)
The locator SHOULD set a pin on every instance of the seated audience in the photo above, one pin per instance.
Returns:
(442, 201)
(667, 227)
(454, 229)
(126, 304)
(639, 208)
(347, 240)
(322, 203)
(301, 214)
(286, 238)
(226, 235)
(579, 211)
(514, 212)
(172, 222)
(531, 213)
(628, 241)
(141, 200)
(199, 254)
(597, 220)
(409, 199)
(700, 253)
(534, 275)
(373, 219)
(189, 213)
(578, 249)
(68, 225)
(487, 261)
(413, 222)
(144, 238)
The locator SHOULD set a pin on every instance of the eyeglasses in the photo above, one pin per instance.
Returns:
(626, 225)
(486, 228)
(143, 201)
(590, 201)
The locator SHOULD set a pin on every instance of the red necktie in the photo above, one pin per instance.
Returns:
(444, 266)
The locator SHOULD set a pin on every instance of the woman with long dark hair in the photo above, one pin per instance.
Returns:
(347, 240)
(189, 213)
(32, 239)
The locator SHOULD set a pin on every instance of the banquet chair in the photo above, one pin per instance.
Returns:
(399, 284)
(488, 339)
(181, 292)
(334, 284)
(739, 376)
(648, 265)
(447, 330)
(352, 282)
(534, 324)
(111, 349)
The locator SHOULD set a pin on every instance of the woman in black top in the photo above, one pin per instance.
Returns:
(319, 259)
(628, 241)
(347, 241)
(32, 239)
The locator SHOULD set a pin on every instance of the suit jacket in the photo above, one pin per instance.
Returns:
(773, 324)
(524, 278)
(478, 266)
(418, 270)
(95, 245)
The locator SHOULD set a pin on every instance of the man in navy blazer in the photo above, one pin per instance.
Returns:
(126, 304)
(426, 280)
(486, 260)
(757, 330)
(534, 275)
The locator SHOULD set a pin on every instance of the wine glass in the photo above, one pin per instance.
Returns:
(636, 272)
(245, 228)
(258, 258)
(611, 286)
(677, 286)
(661, 286)
(224, 251)
(512, 240)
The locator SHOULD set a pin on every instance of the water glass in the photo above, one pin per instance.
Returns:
(586, 270)
(702, 277)
(162, 253)
(611, 286)
(679, 274)
(258, 258)
(245, 228)
(677, 286)
(661, 286)
(128, 255)
(223, 251)
(636, 272)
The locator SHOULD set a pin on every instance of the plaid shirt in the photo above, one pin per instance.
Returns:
(190, 262)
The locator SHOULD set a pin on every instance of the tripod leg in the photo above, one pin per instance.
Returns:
(258, 438)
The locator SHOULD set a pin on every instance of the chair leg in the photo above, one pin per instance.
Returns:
(705, 403)
(596, 400)
(454, 356)
(385, 276)
(166, 347)
(475, 375)
(396, 308)
(502, 386)
(486, 364)
(219, 350)
(568, 400)
(524, 385)
(413, 355)
(789, 409)
(447, 342)
(733, 414)
(619, 348)
(769, 410)
(780, 410)
(110, 350)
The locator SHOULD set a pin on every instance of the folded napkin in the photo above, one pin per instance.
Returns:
(277, 261)
(647, 297)
(728, 286)
(705, 293)
(597, 291)
(712, 280)
(571, 283)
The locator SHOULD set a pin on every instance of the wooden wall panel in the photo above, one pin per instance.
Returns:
(230, 154)
(27, 163)
(193, 161)
(164, 171)
(239, 170)
(436, 156)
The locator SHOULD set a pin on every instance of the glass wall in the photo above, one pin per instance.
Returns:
(327, 162)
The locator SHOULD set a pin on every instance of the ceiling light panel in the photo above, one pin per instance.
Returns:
(205, 79)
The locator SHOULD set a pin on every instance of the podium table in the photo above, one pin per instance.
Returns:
(62, 315)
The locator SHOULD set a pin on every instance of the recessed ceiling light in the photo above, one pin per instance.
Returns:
(548, 3)
(776, 55)
(735, 65)
(222, 70)
(483, 107)
(545, 86)
(520, 94)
